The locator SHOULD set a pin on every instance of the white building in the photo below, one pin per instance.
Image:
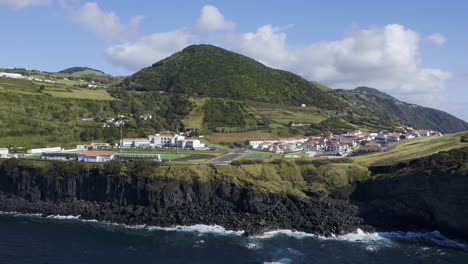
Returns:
(96, 156)
(161, 140)
(12, 75)
(393, 137)
(190, 144)
(4, 153)
(262, 143)
(42, 150)
(338, 148)
(136, 143)
(381, 137)
(424, 133)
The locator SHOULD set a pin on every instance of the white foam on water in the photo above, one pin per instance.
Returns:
(286, 232)
(203, 229)
(359, 236)
(17, 214)
(253, 246)
(281, 261)
(64, 217)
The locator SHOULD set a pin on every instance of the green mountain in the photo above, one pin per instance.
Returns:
(83, 71)
(209, 71)
(365, 100)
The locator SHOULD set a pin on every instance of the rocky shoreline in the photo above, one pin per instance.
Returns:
(318, 216)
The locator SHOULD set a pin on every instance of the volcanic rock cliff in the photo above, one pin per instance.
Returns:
(169, 201)
(429, 193)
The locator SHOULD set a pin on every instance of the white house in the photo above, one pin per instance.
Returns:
(337, 147)
(262, 143)
(4, 153)
(96, 156)
(394, 137)
(424, 133)
(381, 137)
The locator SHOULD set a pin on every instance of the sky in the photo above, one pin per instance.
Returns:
(416, 51)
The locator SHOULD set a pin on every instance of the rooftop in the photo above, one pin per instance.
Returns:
(97, 153)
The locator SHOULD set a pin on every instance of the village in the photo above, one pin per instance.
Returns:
(327, 145)
(339, 145)
(103, 152)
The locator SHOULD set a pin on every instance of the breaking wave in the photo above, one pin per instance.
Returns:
(359, 236)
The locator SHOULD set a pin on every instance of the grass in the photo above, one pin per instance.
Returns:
(284, 114)
(195, 118)
(26, 87)
(227, 138)
(36, 141)
(172, 156)
(81, 93)
(412, 149)
(257, 156)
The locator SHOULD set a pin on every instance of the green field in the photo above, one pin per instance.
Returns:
(195, 118)
(412, 149)
(258, 156)
(284, 114)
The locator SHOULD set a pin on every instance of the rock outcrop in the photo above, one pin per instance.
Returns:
(430, 193)
(169, 201)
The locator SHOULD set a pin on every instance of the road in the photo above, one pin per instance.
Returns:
(226, 159)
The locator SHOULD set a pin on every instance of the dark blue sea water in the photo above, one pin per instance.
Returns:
(28, 239)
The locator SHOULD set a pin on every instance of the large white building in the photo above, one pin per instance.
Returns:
(12, 75)
(96, 156)
(160, 140)
(135, 143)
(43, 150)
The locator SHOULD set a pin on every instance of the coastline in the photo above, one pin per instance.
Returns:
(249, 223)
(358, 236)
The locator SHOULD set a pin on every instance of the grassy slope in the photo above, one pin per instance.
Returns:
(412, 149)
(32, 118)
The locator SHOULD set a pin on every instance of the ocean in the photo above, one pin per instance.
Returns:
(32, 239)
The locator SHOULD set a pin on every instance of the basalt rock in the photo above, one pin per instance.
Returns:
(169, 201)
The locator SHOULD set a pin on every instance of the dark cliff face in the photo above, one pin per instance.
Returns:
(429, 193)
(168, 201)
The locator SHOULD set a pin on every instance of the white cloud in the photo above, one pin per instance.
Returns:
(148, 49)
(437, 38)
(384, 57)
(212, 20)
(19, 4)
(152, 48)
(105, 24)
(267, 45)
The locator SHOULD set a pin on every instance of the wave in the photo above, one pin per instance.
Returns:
(18, 214)
(359, 236)
(387, 238)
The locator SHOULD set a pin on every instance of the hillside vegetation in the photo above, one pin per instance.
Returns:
(43, 114)
(275, 97)
(372, 107)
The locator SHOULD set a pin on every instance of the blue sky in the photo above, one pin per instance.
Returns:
(414, 50)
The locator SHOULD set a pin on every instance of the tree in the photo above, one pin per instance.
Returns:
(41, 88)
